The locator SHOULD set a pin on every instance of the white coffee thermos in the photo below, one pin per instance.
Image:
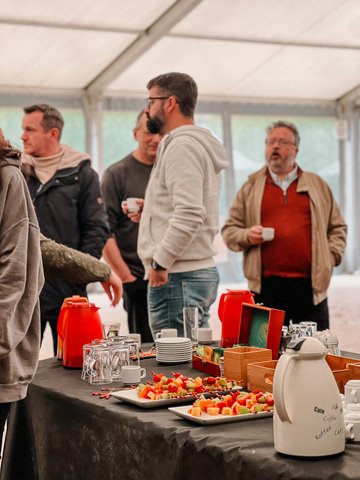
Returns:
(308, 414)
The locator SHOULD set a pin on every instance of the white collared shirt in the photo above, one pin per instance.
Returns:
(287, 181)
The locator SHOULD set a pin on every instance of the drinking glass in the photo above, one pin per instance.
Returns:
(119, 356)
(311, 326)
(298, 330)
(134, 350)
(100, 372)
(88, 361)
(191, 323)
(111, 329)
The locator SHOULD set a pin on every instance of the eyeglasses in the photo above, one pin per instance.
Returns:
(280, 141)
(150, 100)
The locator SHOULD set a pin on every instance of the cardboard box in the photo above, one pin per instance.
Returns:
(236, 360)
(261, 327)
(207, 366)
(343, 368)
(260, 376)
(354, 371)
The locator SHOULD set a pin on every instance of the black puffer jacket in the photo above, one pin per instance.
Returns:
(70, 210)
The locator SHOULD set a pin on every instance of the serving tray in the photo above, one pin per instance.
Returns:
(206, 419)
(131, 396)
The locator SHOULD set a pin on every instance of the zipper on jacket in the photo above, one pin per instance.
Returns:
(285, 197)
(55, 179)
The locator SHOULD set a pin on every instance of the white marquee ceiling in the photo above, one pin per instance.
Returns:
(235, 49)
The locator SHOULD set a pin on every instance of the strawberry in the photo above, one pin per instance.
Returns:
(210, 380)
(172, 388)
(199, 389)
(221, 405)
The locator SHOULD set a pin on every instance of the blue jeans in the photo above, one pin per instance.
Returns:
(186, 289)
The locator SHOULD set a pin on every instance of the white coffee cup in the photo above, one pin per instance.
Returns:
(205, 335)
(352, 392)
(132, 204)
(167, 332)
(268, 233)
(132, 374)
(352, 426)
(352, 408)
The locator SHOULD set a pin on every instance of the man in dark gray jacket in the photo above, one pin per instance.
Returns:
(66, 194)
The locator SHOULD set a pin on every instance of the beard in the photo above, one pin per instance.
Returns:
(154, 124)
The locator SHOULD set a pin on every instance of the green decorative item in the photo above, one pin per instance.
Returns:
(259, 329)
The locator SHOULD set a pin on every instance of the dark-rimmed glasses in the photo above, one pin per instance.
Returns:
(280, 141)
(150, 100)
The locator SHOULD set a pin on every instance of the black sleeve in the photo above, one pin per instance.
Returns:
(113, 195)
(92, 215)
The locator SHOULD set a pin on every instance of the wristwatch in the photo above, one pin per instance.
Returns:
(156, 266)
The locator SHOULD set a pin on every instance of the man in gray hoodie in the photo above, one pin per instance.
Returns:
(180, 216)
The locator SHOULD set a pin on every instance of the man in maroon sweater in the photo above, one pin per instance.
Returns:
(292, 271)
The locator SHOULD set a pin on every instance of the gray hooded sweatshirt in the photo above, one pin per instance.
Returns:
(21, 280)
(181, 210)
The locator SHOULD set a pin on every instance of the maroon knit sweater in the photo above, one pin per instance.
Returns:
(289, 254)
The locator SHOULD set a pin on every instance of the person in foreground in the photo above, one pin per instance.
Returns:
(128, 178)
(180, 215)
(21, 280)
(291, 272)
(74, 266)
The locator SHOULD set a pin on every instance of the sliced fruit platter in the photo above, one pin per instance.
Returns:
(177, 388)
(178, 385)
(232, 407)
(234, 403)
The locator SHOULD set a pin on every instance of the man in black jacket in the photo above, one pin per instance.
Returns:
(67, 199)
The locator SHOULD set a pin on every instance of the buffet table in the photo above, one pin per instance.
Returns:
(62, 432)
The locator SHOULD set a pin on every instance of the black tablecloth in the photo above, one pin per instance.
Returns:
(61, 431)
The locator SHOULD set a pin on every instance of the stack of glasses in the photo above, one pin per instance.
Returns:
(103, 359)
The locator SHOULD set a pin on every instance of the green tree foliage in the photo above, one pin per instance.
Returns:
(118, 135)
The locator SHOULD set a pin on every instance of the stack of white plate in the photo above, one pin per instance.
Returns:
(173, 350)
